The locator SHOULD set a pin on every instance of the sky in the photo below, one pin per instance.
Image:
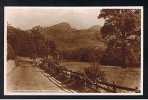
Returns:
(28, 17)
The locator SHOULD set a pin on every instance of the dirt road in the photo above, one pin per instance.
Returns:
(27, 77)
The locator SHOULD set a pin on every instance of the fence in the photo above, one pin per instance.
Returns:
(88, 83)
(110, 87)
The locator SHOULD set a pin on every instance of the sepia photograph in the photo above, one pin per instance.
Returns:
(73, 50)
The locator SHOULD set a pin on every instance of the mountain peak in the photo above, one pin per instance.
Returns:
(63, 24)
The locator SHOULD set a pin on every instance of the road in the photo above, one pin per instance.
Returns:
(26, 77)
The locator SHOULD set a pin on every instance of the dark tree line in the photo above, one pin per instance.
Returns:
(29, 43)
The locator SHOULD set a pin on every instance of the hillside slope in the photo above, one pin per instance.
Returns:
(67, 37)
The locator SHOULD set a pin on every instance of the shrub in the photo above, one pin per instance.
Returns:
(94, 73)
(114, 57)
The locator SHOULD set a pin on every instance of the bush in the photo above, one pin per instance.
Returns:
(94, 73)
(114, 57)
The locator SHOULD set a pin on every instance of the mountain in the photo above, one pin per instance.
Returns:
(64, 36)
(61, 27)
(67, 37)
(72, 43)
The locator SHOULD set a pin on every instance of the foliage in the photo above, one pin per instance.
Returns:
(94, 73)
(27, 43)
(38, 42)
(122, 31)
(83, 54)
(18, 40)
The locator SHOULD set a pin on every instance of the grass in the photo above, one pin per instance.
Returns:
(129, 77)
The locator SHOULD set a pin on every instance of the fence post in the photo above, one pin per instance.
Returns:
(95, 85)
(114, 88)
(136, 90)
(85, 83)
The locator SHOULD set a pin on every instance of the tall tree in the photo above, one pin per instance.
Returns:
(38, 42)
(121, 29)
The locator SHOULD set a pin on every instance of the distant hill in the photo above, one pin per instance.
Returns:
(67, 37)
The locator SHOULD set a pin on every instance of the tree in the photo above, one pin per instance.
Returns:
(38, 42)
(122, 30)
(18, 39)
(27, 43)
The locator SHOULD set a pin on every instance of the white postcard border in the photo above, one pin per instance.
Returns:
(52, 7)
